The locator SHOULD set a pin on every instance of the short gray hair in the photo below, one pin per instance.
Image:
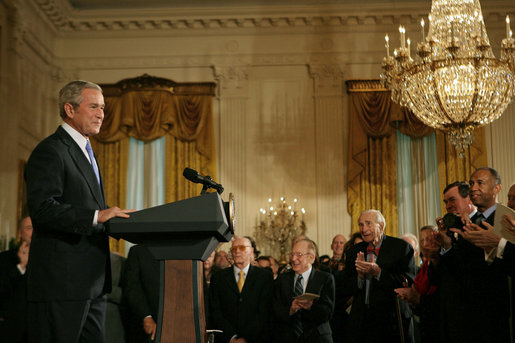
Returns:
(72, 94)
(379, 216)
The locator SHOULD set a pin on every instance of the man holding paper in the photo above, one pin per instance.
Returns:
(303, 298)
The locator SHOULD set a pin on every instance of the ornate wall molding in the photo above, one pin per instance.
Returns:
(328, 79)
(64, 18)
(270, 59)
(233, 80)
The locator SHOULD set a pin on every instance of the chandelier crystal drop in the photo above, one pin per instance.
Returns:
(455, 83)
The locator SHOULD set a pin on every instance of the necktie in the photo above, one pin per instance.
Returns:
(479, 219)
(298, 286)
(297, 323)
(93, 161)
(241, 280)
(372, 249)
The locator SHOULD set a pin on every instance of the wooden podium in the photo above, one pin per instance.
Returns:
(180, 235)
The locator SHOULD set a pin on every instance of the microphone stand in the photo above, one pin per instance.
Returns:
(205, 187)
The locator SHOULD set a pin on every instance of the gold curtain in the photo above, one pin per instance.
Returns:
(147, 108)
(372, 169)
(453, 168)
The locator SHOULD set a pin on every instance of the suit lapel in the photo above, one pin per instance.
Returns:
(251, 275)
(83, 166)
(290, 284)
(384, 245)
(312, 282)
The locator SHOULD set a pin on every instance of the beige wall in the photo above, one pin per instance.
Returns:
(281, 109)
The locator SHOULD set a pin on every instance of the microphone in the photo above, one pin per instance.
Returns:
(194, 176)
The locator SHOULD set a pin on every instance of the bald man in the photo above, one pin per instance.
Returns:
(240, 298)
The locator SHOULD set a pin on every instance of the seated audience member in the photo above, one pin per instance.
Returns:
(263, 262)
(303, 320)
(275, 266)
(422, 296)
(355, 238)
(373, 269)
(210, 268)
(337, 260)
(240, 298)
(256, 251)
(413, 241)
(141, 294)
(222, 259)
(324, 260)
(13, 287)
(340, 318)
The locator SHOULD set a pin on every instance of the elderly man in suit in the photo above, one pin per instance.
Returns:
(240, 298)
(374, 268)
(68, 271)
(303, 320)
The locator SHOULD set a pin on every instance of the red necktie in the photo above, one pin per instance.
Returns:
(372, 249)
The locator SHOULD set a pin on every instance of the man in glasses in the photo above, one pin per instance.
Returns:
(241, 297)
(298, 319)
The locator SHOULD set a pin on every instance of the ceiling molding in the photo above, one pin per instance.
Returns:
(65, 18)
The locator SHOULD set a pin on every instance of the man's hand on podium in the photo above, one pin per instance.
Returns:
(111, 212)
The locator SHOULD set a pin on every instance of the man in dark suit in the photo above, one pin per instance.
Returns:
(374, 268)
(141, 293)
(240, 298)
(13, 287)
(303, 320)
(68, 272)
(481, 294)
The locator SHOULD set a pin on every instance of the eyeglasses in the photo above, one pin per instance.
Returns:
(299, 254)
(241, 248)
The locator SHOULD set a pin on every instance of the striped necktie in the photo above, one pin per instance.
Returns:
(297, 323)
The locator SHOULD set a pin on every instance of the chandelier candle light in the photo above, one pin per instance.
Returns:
(455, 84)
(279, 225)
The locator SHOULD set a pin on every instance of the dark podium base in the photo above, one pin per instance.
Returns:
(181, 313)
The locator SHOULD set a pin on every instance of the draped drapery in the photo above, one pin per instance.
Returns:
(147, 108)
(372, 165)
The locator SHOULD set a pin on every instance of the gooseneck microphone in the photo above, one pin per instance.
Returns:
(194, 176)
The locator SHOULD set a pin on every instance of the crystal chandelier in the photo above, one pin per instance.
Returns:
(277, 226)
(456, 84)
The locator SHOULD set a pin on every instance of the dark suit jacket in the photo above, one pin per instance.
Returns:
(247, 314)
(140, 290)
(315, 322)
(396, 262)
(13, 299)
(474, 294)
(69, 257)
